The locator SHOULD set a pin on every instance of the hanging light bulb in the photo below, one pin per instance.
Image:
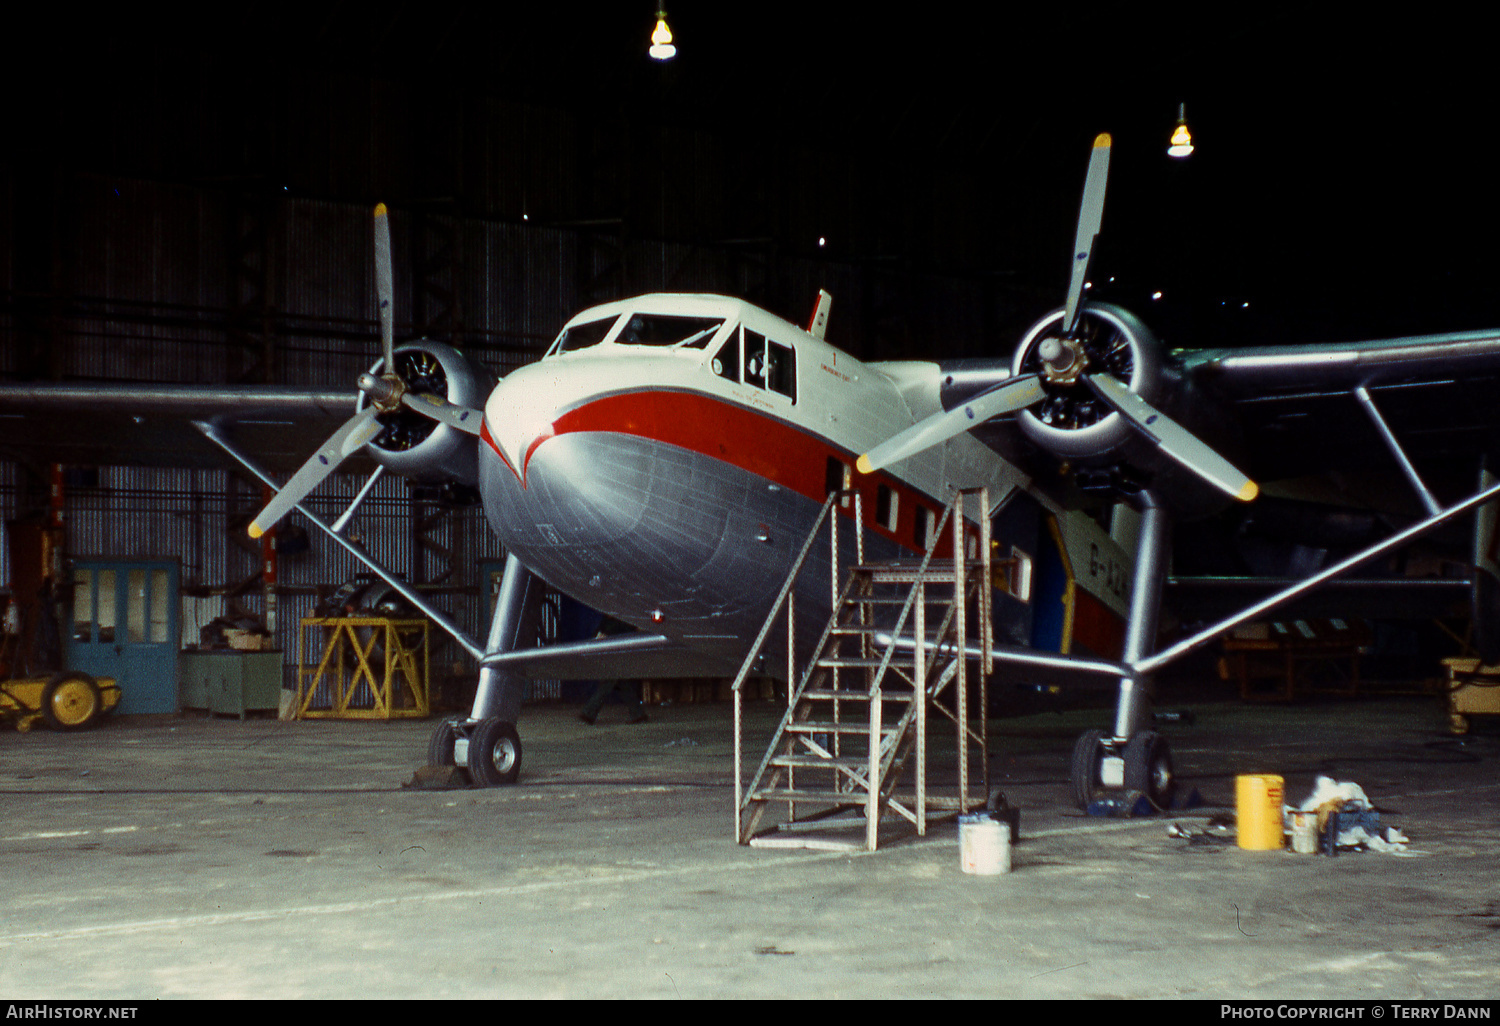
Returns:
(1182, 139)
(661, 39)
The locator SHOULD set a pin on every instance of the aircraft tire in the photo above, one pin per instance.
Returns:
(1148, 768)
(71, 701)
(1088, 755)
(494, 753)
(440, 746)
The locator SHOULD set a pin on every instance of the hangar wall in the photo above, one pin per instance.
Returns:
(192, 223)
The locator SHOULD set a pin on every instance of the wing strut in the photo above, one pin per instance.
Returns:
(1389, 437)
(1259, 609)
(437, 616)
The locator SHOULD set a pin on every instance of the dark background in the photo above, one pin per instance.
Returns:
(1342, 185)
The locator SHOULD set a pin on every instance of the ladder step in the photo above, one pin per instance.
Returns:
(799, 794)
(852, 762)
(813, 843)
(828, 694)
(808, 727)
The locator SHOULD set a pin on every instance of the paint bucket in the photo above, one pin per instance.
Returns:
(1257, 798)
(1305, 833)
(983, 845)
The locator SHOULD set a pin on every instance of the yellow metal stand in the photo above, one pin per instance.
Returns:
(354, 680)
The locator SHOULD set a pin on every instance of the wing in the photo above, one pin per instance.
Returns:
(151, 425)
(1301, 411)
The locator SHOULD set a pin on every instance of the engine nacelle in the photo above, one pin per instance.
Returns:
(419, 447)
(1103, 449)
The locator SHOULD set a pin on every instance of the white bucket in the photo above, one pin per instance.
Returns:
(1305, 832)
(983, 845)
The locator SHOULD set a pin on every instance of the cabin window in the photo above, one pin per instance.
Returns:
(781, 370)
(581, 336)
(770, 365)
(887, 507)
(835, 476)
(726, 362)
(669, 330)
(922, 529)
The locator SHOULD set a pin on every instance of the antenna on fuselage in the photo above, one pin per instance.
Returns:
(818, 326)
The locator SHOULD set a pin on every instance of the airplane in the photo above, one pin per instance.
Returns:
(664, 459)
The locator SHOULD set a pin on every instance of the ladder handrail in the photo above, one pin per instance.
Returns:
(765, 631)
(794, 573)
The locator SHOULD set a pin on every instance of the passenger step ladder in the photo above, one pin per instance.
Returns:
(857, 713)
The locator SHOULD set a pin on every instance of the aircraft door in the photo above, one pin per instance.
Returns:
(125, 626)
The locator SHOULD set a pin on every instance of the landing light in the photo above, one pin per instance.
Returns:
(661, 40)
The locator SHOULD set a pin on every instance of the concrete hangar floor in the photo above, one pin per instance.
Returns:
(214, 858)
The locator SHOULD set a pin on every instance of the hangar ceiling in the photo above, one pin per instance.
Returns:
(942, 141)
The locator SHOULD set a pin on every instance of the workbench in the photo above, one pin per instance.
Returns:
(1298, 657)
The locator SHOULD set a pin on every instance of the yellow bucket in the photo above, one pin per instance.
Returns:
(1258, 798)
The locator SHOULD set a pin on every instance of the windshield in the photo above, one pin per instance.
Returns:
(668, 330)
(581, 336)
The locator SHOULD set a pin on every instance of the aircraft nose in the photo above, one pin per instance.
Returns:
(521, 409)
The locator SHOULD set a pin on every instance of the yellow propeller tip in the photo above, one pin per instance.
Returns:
(1102, 140)
(256, 530)
(1249, 492)
(863, 464)
(380, 210)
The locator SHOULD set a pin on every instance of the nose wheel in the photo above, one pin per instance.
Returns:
(1142, 766)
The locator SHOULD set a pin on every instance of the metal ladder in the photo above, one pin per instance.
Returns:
(858, 711)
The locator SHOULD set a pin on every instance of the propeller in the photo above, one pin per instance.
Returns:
(1065, 362)
(387, 393)
(1090, 216)
(385, 289)
(358, 430)
(1173, 439)
(1015, 394)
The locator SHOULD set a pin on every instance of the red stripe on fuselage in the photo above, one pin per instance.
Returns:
(751, 440)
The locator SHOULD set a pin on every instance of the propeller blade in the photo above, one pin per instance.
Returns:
(1172, 438)
(1007, 397)
(441, 410)
(1090, 216)
(384, 288)
(357, 431)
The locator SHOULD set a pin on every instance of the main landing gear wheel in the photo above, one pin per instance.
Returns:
(440, 747)
(1148, 768)
(494, 753)
(1088, 761)
(71, 701)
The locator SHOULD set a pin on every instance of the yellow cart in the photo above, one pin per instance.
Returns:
(66, 701)
(1473, 690)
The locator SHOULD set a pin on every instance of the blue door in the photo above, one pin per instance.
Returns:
(125, 626)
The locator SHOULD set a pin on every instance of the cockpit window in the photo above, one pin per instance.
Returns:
(726, 364)
(581, 336)
(667, 330)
